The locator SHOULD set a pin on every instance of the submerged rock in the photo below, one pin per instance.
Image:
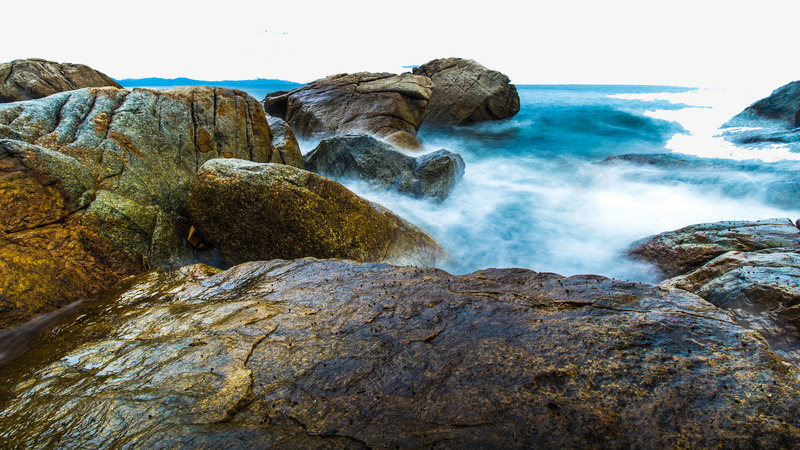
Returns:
(252, 211)
(384, 105)
(678, 252)
(431, 176)
(465, 92)
(762, 290)
(332, 353)
(28, 79)
(94, 185)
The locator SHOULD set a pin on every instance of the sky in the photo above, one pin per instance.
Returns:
(705, 43)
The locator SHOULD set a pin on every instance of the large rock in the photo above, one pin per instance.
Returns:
(385, 105)
(94, 182)
(465, 92)
(28, 79)
(430, 176)
(774, 119)
(761, 289)
(309, 354)
(251, 211)
(678, 252)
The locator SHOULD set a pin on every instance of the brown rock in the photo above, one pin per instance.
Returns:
(678, 252)
(93, 185)
(27, 79)
(380, 104)
(252, 211)
(466, 92)
(308, 354)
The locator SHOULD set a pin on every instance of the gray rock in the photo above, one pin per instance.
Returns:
(384, 105)
(28, 79)
(309, 353)
(465, 92)
(762, 290)
(431, 176)
(678, 252)
(95, 183)
(253, 211)
(774, 119)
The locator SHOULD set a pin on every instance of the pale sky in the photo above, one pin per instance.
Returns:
(676, 42)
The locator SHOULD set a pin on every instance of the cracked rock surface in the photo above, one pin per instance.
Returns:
(331, 353)
(28, 79)
(94, 182)
(466, 92)
(252, 211)
(385, 105)
(677, 252)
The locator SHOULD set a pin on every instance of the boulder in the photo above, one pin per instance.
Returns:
(94, 185)
(385, 105)
(774, 119)
(285, 142)
(465, 92)
(761, 289)
(251, 211)
(678, 252)
(431, 176)
(781, 108)
(308, 354)
(28, 79)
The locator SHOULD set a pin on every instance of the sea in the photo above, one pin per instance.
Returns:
(537, 194)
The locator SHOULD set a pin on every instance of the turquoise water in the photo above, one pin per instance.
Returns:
(534, 195)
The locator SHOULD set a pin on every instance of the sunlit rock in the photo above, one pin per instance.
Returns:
(309, 353)
(28, 79)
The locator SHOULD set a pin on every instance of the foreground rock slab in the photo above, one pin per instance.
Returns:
(678, 252)
(251, 211)
(332, 353)
(466, 92)
(28, 79)
(761, 289)
(385, 105)
(432, 176)
(94, 182)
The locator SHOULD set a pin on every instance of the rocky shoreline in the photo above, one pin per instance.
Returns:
(238, 297)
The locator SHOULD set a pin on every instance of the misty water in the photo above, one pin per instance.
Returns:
(536, 195)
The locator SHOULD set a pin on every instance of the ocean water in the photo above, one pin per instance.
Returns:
(535, 195)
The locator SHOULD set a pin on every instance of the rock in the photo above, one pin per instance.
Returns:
(678, 252)
(285, 142)
(430, 176)
(781, 108)
(310, 353)
(28, 79)
(761, 289)
(773, 119)
(252, 211)
(465, 92)
(381, 104)
(94, 185)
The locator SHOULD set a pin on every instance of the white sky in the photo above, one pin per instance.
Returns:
(678, 42)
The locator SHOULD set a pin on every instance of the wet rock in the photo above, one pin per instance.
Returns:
(678, 252)
(28, 79)
(430, 176)
(385, 105)
(762, 290)
(253, 211)
(285, 142)
(775, 118)
(314, 353)
(94, 185)
(466, 92)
